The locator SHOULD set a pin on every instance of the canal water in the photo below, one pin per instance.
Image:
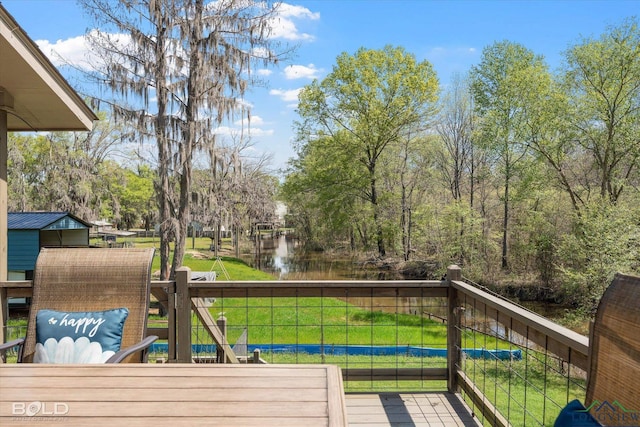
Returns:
(285, 258)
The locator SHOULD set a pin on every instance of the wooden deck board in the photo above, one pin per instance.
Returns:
(408, 409)
(236, 421)
(175, 382)
(176, 370)
(137, 408)
(177, 395)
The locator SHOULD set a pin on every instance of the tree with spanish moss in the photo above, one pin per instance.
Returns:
(176, 69)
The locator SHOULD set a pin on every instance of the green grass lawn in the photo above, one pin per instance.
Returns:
(311, 320)
(198, 257)
(332, 321)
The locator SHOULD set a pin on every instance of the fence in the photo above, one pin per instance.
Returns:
(512, 366)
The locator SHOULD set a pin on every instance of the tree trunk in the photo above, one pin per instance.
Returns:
(184, 214)
(376, 217)
(164, 158)
(190, 136)
(505, 225)
(405, 224)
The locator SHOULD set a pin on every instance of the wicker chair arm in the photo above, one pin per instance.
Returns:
(9, 345)
(142, 345)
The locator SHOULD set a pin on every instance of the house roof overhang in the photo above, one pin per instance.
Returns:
(32, 91)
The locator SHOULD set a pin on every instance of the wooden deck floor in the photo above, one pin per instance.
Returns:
(408, 410)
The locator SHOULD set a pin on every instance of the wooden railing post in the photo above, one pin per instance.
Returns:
(4, 317)
(222, 325)
(172, 325)
(4, 313)
(454, 338)
(183, 314)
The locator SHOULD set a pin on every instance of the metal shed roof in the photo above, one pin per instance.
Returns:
(42, 220)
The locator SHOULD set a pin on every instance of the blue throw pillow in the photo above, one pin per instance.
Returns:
(575, 415)
(78, 337)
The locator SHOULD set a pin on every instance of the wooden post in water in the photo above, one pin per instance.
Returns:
(183, 314)
(454, 337)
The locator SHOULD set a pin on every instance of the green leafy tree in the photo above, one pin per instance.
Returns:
(137, 198)
(61, 171)
(21, 165)
(457, 159)
(368, 102)
(602, 80)
(607, 242)
(323, 192)
(499, 84)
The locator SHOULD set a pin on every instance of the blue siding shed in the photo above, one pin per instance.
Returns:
(23, 249)
(29, 231)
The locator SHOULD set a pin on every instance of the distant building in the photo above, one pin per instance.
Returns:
(107, 232)
(30, 231)
(281, 213)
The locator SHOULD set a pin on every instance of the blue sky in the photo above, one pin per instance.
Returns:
(449, 34)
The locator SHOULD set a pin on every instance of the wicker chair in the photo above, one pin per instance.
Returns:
(95, 279)
(614, 371)
(613, 390)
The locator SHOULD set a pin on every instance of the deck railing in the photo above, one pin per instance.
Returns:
(513, 366)
(549, 369)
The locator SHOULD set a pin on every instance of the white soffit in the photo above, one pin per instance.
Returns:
(39, 98)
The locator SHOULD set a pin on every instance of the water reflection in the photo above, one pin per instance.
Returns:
(285, 258)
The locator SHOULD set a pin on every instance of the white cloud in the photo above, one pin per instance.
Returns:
(282, 26)
(243, 104)
(296, 11)
(225, 130)
(245, 128)
(77, 52)
(301, 72)
(255, 121)
(74, 51)
(264, 72)
(286, 95)
(260, 52)
(261, 132)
